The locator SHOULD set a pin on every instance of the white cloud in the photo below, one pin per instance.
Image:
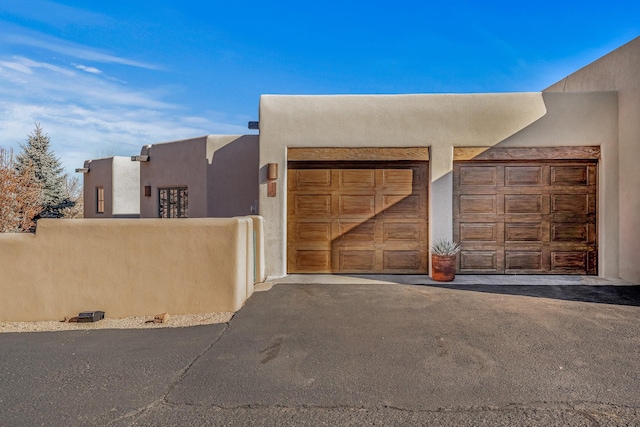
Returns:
(86, 113)
(72, 50)
(86, 69)
(26, 66)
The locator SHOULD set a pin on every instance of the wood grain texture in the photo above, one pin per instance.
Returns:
(371, 219)
(526, 217)
(414, 154)
(529, 153)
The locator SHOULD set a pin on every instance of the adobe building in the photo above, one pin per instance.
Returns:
(528, 183)
(211, 176)
(111, 188)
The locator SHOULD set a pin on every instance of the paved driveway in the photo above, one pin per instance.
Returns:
(383, 354)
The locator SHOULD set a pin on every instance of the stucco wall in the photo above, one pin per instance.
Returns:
(128, 267)
(175, 164)
(232, 175)
(620, 71)
(126, 187)
(100, 175)
(120, 178)
(440, 122)
(220, 171)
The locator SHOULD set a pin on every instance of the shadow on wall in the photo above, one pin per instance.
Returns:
(232, 178)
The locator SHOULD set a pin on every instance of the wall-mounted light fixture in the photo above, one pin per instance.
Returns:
(82, 170)
(272, 176)
(139, 158)
(147, 191)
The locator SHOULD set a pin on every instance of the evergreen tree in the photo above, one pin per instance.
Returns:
(48, 172)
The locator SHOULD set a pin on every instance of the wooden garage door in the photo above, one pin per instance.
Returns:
(357, 218)
(526, 217)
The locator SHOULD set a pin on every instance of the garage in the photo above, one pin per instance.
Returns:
(357, 217)
(526, 210)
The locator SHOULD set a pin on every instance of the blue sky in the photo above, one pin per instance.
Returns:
(106, 77)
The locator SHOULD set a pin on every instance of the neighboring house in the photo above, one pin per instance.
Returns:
(210, 176)
(528, 183)
(111, 188)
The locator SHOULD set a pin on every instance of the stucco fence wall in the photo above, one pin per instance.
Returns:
(130, 267)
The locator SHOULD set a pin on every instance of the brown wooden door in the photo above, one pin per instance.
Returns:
(526, 217)
(357, 218)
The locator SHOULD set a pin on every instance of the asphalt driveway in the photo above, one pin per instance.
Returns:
(368, 353)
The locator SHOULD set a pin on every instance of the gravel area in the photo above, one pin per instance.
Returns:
(175, 321)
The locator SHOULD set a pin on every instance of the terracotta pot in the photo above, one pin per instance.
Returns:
(443, 267)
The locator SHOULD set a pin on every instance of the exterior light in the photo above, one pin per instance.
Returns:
(272, 176)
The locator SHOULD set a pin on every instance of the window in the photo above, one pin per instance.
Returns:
(174, 202)
(100, 200)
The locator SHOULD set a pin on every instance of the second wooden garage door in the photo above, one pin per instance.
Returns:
(526, 217)
(357, 218)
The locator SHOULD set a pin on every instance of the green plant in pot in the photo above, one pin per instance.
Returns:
(443, 260)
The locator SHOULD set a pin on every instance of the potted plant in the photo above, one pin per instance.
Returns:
(443, 260)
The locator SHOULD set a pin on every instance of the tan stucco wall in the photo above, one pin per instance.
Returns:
(127, 267)
(440, 122)
(100, 175)
(120, 178)
(126, 187)
(175, 164)
(232, 175)
(620, 71)
(220, 171)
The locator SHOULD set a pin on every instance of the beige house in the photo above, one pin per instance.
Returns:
(529, 183)
(211, 176)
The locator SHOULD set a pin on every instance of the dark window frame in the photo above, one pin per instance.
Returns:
(100, 200)
(173, 202)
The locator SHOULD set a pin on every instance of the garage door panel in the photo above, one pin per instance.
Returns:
(357, 261)
(397, 180)
(572, 203)
(312, 260)
(357, 231)
(479, 232)
(567, 261)
(485, 261)
(569, 232)
(478, 204)
(521, 261)
(523, 176)
(401, 260)
(523, 203)
(356, 205)
(312, 205)
(311, 178)
(524, 232)
(412, 206)
(478, 175)
(350, 179)
(401, 231)
(313, 231)
(581, 175)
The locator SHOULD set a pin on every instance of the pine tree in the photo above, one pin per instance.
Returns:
(48, 172)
